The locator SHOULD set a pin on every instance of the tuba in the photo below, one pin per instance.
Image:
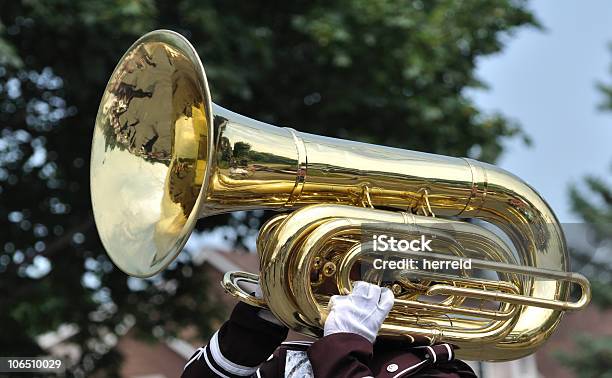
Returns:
(163, 156)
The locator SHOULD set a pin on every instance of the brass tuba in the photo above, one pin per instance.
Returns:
(163, 156)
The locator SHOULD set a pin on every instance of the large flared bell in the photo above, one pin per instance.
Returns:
(149, 153)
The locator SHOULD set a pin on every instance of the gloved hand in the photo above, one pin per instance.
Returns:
(266, 314)
(362, 311)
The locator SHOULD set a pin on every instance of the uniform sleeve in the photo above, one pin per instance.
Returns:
(342, 355)
(238, 348)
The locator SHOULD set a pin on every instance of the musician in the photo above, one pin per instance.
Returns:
(250, 344)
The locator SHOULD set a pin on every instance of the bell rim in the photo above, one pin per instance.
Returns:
(180, 42)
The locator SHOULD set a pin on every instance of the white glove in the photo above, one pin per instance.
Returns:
(362, 311)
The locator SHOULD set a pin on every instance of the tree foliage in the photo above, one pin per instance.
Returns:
(592, 359)
(388, 72)
(594, 205)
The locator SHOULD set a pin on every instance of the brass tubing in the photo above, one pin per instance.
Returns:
(294, 302)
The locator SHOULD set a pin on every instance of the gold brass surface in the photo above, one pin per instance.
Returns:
(163, 155)
(231, 282)
(149, 153)
(290, 248)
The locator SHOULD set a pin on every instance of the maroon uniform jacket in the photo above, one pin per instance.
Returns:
(249, 346)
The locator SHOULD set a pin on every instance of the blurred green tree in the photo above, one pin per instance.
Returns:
(388, 72)
(593, 356)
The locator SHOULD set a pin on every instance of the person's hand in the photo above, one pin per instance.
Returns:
(361, 312)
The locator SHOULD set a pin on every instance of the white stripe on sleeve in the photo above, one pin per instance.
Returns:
(226, 364)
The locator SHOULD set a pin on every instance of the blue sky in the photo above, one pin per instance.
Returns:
(546, 81)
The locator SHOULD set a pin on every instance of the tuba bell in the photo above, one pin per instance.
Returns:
(163, 156)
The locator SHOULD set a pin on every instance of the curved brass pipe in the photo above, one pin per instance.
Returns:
(308, 229)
